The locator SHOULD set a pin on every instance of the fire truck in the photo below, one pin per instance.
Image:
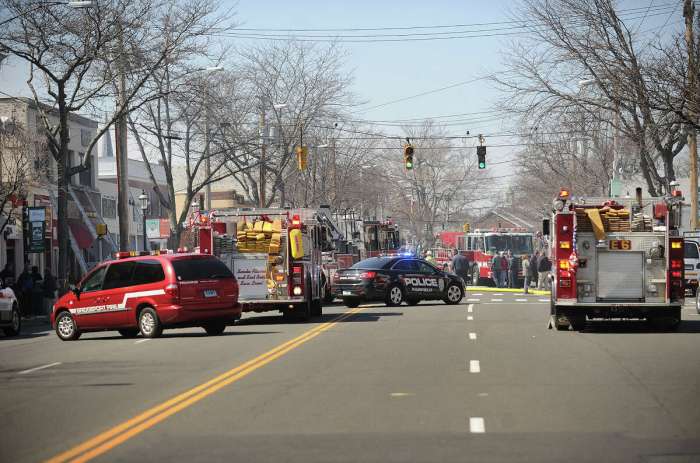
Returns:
(616, 259)
(275, 254)
(379, 237)
(480, 246)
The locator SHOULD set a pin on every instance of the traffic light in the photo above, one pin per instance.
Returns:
(481, 154)
(302, 157)
(408, 156)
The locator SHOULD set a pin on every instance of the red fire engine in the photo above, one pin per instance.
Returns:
(275, 254)
(481, 245)
(379, 237)
(614, 258)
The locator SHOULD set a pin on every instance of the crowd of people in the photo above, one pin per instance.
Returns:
(505, 269)
(35, 293)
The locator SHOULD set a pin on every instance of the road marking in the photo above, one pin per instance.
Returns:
(474, 366)
(142, 340)
(521, 300)
(470, 318)
(31, 370)
(402, 394)
(496, 300)
(476, 425)
(543, 300)
(124, 431)
(477, 294)
(470, 308)
(473, 300)
(498, 294)
(472, 336)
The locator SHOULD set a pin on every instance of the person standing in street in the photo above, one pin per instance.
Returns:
(496, 268)
(49, 291)
(526, 274)
(543, 269)
(534, 261)
(7, 276)
(24, 290)
(460, 264)
(37, 292)
(513, 270)
(503, 276)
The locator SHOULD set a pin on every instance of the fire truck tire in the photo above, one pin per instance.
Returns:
(214, 328)
(149, 324)
(666, 323)
(129, 332)
(475, 276)
(328, 296)
(351, 302)
(394, 296)
(316, 308)
(577, 321)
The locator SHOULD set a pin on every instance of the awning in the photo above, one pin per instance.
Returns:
(81, 234)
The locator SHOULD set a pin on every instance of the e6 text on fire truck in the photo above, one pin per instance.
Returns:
(616, 258)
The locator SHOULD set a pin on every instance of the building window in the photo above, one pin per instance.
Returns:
(86, 175)
(109, 208)
(85, 137)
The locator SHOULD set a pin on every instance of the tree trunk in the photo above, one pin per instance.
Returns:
(62, 183)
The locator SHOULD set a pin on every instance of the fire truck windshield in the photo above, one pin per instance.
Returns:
(517, 244)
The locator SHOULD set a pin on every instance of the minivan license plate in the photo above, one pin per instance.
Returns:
(209, 293)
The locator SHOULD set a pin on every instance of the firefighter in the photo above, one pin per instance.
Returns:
(429, 257)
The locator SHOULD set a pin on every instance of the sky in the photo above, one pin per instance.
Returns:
(384, 72)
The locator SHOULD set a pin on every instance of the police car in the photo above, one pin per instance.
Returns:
(148, 293)
(394, 280)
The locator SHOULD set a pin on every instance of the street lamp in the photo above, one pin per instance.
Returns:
(143, 198)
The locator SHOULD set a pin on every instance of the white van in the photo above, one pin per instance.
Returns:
(691, 259)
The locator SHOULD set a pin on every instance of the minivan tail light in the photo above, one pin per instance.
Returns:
(173, 290)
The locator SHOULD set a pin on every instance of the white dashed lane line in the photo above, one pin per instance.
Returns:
(543, 300)
(473, 300)
(470, 318)
(477, 294)
(31, 370)
(521, 300)
(470, 308)
(496, 300)
(142, 340)
(472, 336)
(476, 425)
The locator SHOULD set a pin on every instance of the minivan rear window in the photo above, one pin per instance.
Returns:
(207, 268)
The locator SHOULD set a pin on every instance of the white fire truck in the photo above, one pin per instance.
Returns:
(275, 254)
(481, 245)
(616, 259)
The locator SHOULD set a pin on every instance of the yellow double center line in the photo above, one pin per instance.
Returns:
(115, 436)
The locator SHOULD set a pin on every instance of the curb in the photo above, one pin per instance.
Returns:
(489, 289)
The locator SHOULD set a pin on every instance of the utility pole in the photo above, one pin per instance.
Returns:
(261, 181)
(122, 159)
(207, 154)
(692, 102)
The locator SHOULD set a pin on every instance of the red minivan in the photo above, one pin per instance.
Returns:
(149, 293)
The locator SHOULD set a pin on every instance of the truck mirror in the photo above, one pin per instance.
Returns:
(545, 227)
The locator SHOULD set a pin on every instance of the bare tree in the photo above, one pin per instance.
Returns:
(441, 183)
(75, 57)
(313, 87)
(21, 165)
(571, 40)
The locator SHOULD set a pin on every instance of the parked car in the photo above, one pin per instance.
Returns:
(395, 280)
(10, 318)
(147, 294)
(691, 258)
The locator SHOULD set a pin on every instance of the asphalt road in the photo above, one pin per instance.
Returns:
(482, 381)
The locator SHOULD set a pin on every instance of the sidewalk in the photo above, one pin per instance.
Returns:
(489, 289)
